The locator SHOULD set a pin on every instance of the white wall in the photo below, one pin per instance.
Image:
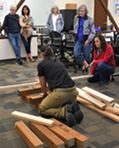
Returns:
(88, 3)
(40, 10)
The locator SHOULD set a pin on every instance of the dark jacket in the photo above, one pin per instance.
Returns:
(11, 24)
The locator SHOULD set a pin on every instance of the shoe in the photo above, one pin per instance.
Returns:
(77, 112)
(101, 83)
(20, 62)
(70, 119)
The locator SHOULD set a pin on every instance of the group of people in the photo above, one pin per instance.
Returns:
(17, 29)
(60, 102)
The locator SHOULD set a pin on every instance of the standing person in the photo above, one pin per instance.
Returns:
(12, 29)
(61, 101)
(26, 22)
(84, 32)
(55, 24)
(103, 64)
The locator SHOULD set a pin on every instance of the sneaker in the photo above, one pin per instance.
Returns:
(69, 116)
(20, 62)
(77, 112)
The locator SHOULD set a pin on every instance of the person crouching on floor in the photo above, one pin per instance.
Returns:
(103, 64)
(61, 101)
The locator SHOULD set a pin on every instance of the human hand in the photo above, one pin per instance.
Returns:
(91, 64)
(86, 43)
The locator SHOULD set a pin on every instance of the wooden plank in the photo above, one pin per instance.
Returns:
(89, 98)
(81, 140)
(102, 112)
(27, 135)
(63, 135)
(107, 108)
(36, 99)
(29, 91)
(98, 95)
(116, 105)
(32, 118)
(81, 77)
(47, 136)
(17, 85)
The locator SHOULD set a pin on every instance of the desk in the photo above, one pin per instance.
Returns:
(6, 50)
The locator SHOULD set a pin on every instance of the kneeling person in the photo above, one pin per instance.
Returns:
(61, 101)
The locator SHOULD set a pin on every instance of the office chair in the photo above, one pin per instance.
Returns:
(57, 44)
(69, 46)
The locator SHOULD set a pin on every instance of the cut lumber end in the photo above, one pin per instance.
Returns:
(98, 95)
(91, 99)
(46, 135)
(36, 119)
(27, 135)
(63, 135)
(81, 140)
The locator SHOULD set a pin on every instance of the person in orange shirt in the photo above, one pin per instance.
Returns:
(103, 64)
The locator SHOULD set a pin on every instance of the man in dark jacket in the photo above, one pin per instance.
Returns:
(12, 29)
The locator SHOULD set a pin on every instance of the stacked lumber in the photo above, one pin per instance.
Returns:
(50, 131)
(32, 95)
(99, 102)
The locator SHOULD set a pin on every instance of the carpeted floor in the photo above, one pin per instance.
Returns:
(102, 132)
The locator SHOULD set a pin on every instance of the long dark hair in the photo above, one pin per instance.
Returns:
(25, 6)
(102, 40)
(48, 52)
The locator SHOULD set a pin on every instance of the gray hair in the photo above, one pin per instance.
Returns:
(13, 7)
(82, 7)
(55, 7)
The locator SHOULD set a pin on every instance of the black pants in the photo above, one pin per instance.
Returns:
(27, 44)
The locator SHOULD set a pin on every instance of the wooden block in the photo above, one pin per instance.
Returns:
(32, 118)
(104, 113)
(81, 77)
(98, 95)
(28, 136)
(89, 98)
(36, 99)
(71, 6)
(28, 91)
(63, 135)
(47, 136)
(81, 140)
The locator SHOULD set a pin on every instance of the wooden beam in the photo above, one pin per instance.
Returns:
(89, 98)
(63, 135)
(102, 112)
(81, 77)
(109, 14)
(81, 140)
(32, 118)
(27, 135)
(28, 91)
(98, 95)
(18, 6)
(107, 108)
(47, 136)
(18, 85)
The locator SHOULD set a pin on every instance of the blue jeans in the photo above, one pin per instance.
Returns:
(81, 52)
(102, 73)
(15, 40)
(27, 44)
